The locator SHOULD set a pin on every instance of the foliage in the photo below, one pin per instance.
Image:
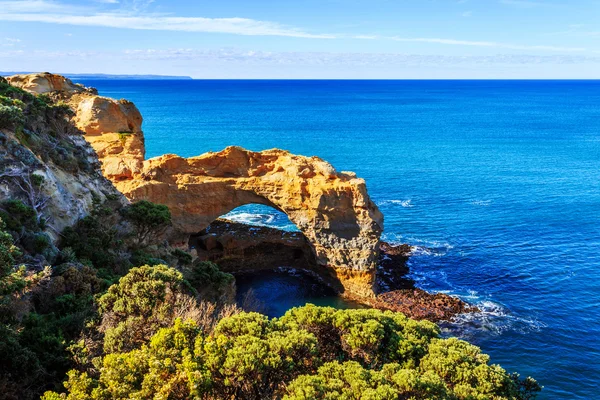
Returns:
(148, 218)
(32, 345)
(8, 251)
(11, 279)
(350, 380)
(11, 116)
(144, 300)
(250, 356)
(183, 257)
(209, 280)
(91, 240)
(368, 336)
(18, 216)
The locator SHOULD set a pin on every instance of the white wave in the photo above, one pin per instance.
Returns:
(482, 203)
(435, 250)
(250, 218)
(492, 318)
(403, 203)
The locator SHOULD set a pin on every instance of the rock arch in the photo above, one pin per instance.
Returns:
(333, 210)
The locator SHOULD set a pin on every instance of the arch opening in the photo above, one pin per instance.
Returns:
(256, 237)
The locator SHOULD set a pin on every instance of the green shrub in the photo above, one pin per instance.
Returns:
(149, 219)
(18, 216)
(8, 251)
(144, 300)
(206, 276)
(183, 257)
(370, 337)
(139, 258)
(11, 116)
(91, 239)
(250, 356)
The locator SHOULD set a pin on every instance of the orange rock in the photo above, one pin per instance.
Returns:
(333, 210)
(44, 83)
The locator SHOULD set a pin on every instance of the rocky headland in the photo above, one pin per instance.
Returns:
(340, 226)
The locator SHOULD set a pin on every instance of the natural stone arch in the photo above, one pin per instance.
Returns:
(333, 210)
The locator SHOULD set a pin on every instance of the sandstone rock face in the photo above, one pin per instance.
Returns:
(112, 127)
(44, 83)
(332, 209)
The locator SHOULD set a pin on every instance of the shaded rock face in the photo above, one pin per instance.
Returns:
(332, 209)
(238, 247)
(397, 292)
(112, 127)
(64, 192)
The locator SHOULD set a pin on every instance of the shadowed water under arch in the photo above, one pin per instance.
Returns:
(283, 282)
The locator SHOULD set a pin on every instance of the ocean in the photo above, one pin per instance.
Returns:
(495, 183)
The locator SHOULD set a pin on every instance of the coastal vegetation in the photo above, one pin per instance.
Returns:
(151, 334)
(107, 308)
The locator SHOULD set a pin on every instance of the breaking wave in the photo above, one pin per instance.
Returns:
(403, 203)
(492, 318)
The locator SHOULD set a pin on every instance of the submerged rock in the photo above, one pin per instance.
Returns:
(397, 292)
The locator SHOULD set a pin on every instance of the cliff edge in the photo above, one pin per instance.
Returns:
(332, 209)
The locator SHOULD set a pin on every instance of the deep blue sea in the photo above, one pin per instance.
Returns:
(495, 183)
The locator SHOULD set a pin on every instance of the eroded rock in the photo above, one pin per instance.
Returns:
(332, 209)
(44, 83)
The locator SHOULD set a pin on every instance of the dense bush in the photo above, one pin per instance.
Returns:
(148, 218)
(143, 301)
(310, 353)
(11, 116)
(8, 251)
(18, 216)
(209, 280)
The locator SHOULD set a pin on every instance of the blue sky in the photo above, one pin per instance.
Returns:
(415, 39)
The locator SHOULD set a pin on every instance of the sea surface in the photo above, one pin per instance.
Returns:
(495, 183)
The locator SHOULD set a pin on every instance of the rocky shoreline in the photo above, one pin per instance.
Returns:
(340, 225)
(241, 248)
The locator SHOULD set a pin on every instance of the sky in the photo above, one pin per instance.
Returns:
(305, 39)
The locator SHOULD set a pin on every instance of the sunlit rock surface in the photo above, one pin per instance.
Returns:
(332, 209)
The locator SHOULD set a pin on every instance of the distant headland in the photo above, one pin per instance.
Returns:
(108, 76)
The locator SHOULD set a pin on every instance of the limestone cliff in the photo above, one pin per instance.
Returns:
(112, 127)
(44, 160)
(332, 209)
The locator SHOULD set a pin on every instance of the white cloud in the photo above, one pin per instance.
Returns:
(254, 57)
(45, 11)
(31, 6)
(486, 44)
(56, 13)
(467, 14)
(9, 42)
(526, 3)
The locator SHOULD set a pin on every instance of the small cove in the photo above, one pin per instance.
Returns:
(275, 291)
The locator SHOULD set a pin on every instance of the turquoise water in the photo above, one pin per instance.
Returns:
(496, 183)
